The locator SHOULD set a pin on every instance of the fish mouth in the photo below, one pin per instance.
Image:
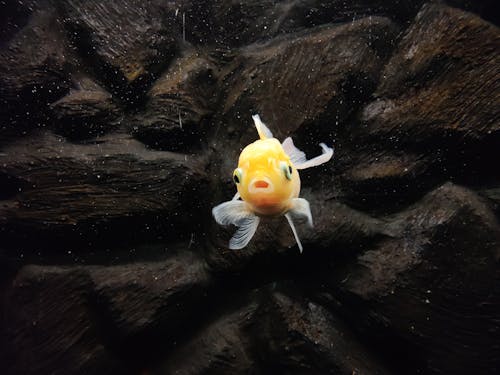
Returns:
(261, 185)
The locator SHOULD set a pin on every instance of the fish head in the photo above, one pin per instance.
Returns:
(266, 178)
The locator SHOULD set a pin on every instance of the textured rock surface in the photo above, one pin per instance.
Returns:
(406, 284)
(110, 261)
(179, 105)
(219, 348)
(297, 336)
(51, 325)
(128, 42)
(33, 72)
(297, 80)
(88, 190)
(14, 15)
(86, 111)
(423, 126)
(99, 318)
(230, 23)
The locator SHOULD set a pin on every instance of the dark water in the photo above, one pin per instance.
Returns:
(121, 126)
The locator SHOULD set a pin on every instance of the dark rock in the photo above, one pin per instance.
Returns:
(14, 15)
(152, 298)
(51, 324)
(315, 77)
(380, 180)
(493, 194)
(428, 58)
(127, 43)
(298, 336)
(272, 332)
(436, 113)
(219, 348)
(444, 212)
(310, 13)
(487, 9)
(432, 287)
(94, 190)
(94, 318)
(230, 24)
(34, 71)
(87, 111)
(178, 105)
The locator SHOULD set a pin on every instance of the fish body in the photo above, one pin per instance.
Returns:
(268, 184)
(264, 185)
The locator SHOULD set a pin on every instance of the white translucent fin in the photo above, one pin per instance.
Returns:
(236, 196)
(245, 232)
(262, 129)
(323, 158)
(290, 221)
(300, 208)
(236, 212)
(296, 156)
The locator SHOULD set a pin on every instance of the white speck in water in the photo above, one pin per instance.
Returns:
(184, 27)
(191, 240)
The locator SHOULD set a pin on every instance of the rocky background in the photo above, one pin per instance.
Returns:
(121, 123)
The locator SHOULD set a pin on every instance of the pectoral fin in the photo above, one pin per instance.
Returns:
(298, 157)
(300, 208)
(262, 129)
(236, 212)
(297, 239)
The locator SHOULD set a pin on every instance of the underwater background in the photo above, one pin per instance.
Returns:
(121, 123)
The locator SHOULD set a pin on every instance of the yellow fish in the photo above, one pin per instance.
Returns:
(268, 184)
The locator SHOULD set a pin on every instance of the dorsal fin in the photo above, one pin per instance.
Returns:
(262, 129)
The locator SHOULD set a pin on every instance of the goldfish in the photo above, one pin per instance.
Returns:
(268, 185)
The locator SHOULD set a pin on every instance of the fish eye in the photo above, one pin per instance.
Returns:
(287, 170)
(237, 175)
